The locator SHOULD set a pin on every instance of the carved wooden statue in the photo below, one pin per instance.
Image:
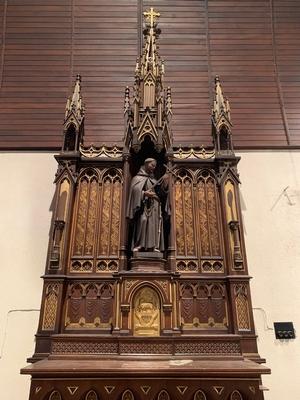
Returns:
(146, 289)
(146, 204)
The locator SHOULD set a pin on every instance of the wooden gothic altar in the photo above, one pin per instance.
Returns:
(165, 323)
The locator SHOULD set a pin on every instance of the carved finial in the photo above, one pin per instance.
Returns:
(169, 111)
(221, 105)
(75, 105)
(127, 100)
(151, 17)
(221, 121)
(74, 119)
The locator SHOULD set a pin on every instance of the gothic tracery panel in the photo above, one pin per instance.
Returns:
(86, 208)
(50, 306)
(184, 210)
(110, 214)
(198, 223)
(209, 220)
(242, 307)
(89, 306)
(96, 225)
(203, 306)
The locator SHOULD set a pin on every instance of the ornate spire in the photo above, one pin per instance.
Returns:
(151, 106)
(74, 119)
(74, 106)
(221, 108)
(221, 121)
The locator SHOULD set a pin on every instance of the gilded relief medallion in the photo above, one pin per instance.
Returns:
(146, 313)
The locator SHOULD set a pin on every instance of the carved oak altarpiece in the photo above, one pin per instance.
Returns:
(121, 325)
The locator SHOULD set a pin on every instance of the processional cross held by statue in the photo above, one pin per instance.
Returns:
(170, 170)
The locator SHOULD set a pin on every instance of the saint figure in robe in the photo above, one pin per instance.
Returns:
(147, 205)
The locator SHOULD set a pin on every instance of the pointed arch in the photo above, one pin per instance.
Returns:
(225, 138)
(199, 395)
(64, 194)
(70, 138)
(187, 295)
(146, 312)
(91, 395)
(55, 395)
(236, 395)
(218, 305)
(163, 395)
(128, 395)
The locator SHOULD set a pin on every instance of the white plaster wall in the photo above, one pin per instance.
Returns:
(272, 231)
(25, 201)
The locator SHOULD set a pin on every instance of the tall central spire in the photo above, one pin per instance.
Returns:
(151, 110)
(150, 60)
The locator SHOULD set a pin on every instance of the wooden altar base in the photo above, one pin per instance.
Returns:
(146, 378)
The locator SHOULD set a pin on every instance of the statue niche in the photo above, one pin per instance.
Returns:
(146, 313)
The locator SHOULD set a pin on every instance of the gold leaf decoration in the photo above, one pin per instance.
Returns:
(81, 217)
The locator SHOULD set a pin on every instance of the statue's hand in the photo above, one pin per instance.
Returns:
(150, 194)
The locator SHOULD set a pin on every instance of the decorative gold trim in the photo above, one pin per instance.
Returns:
(181, 389)
(218, 389)
(100, 152)
(145, 389)
(88, 325)
(109, 389)
(72, 389)
(192, 153)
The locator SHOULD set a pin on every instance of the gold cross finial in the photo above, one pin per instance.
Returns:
(151, 16)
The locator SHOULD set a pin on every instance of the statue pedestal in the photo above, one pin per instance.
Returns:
(150, 261)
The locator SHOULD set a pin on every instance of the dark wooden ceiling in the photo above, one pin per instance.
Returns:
(253, 45)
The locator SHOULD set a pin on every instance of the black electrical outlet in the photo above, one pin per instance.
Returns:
(284, 330)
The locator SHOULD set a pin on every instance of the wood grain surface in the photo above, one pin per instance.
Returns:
(254, 46)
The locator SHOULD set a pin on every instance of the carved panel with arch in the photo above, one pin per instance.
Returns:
(198, 222)
(96, 223)
(89, 306)
(203, 306)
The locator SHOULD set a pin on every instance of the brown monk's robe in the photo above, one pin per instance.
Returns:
(145, 214)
